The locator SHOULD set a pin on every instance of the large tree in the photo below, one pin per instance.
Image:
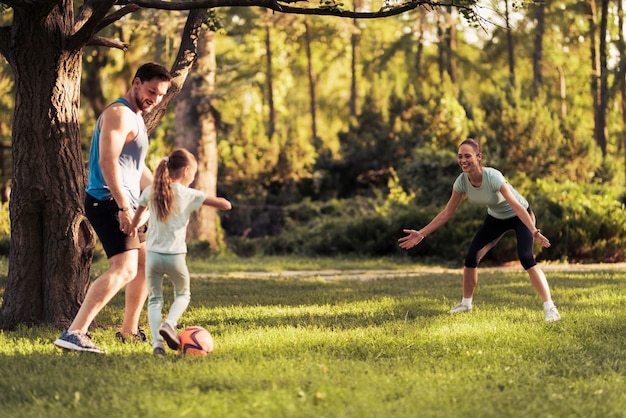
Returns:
(51, 240)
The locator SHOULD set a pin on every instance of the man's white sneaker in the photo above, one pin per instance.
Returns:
(552, 315)
(461, 308)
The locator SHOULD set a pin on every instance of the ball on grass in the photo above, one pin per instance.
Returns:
(195, 341)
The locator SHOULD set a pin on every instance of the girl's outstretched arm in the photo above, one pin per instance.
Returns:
(218, 202)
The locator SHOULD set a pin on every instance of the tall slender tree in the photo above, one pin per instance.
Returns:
(509, 43)
(598, 61)
(196, 131)
(539, 9)
(311, 78)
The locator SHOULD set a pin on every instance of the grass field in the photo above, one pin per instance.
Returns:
(339, 345)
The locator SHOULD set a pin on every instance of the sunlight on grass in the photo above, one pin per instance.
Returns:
(310, 346)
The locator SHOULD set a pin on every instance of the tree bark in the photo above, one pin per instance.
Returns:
(601, 128)
(596, 76)
(51, 240)
(510, 46)
(452, 41)
(621, 76)
(312, 79)
(197, 132)
(354, 45)
(270, 80)
(538, 50)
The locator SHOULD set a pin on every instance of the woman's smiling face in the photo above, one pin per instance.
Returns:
(468, 158)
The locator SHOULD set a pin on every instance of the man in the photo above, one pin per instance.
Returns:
(117, 174)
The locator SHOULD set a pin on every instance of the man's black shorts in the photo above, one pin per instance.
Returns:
(104, 218)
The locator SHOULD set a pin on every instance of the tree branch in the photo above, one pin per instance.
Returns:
(280, 6)
(89, 17)
(19, 4)
(110, 43)
(117, 15)
(186, 58)
(36, 8)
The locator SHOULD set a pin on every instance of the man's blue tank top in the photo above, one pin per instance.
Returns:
(131, 162)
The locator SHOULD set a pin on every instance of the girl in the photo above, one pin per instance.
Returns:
(506, 209)
(171, 202)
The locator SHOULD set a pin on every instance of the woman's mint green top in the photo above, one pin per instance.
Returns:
(488, 193)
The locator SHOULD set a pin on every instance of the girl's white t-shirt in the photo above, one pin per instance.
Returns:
(488, 193)
(170, 237)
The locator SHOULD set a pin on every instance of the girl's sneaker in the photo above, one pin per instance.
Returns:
(170, 336)
(158, 352)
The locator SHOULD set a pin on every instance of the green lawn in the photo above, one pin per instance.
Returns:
(333, 346)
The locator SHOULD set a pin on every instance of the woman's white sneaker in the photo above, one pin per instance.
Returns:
(552, 315)
(461, 308)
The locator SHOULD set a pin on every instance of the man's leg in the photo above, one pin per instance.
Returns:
(122, 268)
(136, 295)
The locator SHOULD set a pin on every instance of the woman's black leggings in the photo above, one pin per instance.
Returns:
(490, 233)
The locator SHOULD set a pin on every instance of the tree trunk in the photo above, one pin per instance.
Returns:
(312, 80)
(197, 132)
(354, 44)
(510, 46)
(441, 58)
(621, 45)
(562, 92)
(596, 77)
(601, 127)
(538, 51)
(452, 41)
(420, 42)
(51, 240)
(270, 79)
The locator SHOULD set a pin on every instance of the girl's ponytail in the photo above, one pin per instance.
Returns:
(169, 169)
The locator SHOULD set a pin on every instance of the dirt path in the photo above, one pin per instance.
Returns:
(368, 274)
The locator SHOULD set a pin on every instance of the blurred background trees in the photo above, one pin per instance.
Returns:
(331, 135)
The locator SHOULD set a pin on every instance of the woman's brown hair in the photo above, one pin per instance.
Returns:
(169, 169)
(472, 143)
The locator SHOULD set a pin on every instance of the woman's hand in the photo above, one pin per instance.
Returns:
(541, 239)
(411, 240)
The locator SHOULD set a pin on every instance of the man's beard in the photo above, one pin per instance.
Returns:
(140, 104)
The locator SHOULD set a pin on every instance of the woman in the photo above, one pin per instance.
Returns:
(506, 209)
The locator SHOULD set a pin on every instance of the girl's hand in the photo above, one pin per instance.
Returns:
(411, 240)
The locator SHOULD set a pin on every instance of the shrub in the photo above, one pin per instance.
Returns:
(585, 223)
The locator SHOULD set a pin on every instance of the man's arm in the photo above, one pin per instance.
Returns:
(117, 128)
(146, 178)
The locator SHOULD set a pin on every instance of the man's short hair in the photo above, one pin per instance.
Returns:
(153, 70)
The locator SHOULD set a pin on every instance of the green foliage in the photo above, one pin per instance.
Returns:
(5, 229)
(588, 223)
(522, 135)
(430, 175)
(331, 4)
(212, 21)
(585, 223)
(416, 125)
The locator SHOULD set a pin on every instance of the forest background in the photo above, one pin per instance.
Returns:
(332, 135)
